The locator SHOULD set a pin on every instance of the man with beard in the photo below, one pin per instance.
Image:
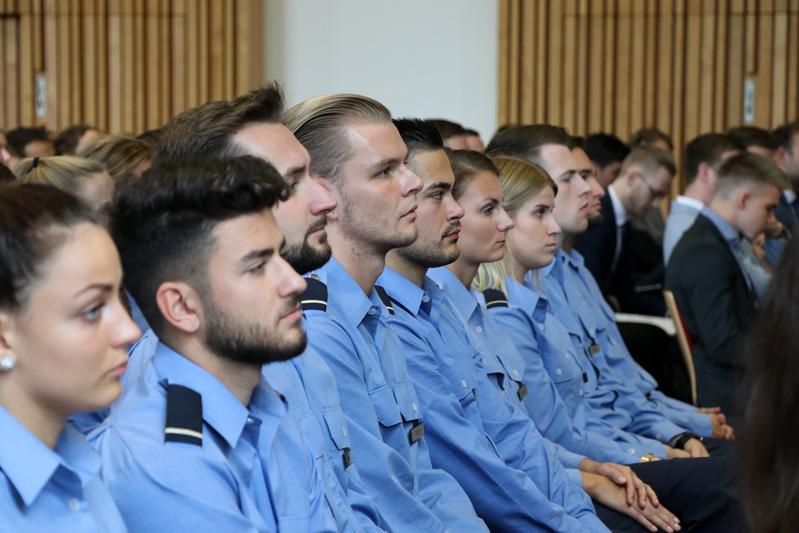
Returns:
(250, 124)
(358, 152)
(786, 137)
(199, 441)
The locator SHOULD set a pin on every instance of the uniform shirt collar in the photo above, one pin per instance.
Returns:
(31, 475)
(618, 207)
(531, 301)
(461, 297)
(345, 295)
(410, 296)
(221, 409)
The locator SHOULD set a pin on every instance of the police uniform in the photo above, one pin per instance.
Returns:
(384, 413)
(181, 453)
(513, 480)
(43, 489)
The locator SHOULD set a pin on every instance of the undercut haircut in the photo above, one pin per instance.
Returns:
(603, 149)
(18, 138)
(526, 141)
(649, 136)
(650, 159)
(320, 123)
(746, 136)
(447, 128)
(162, 222)
(35, 220)
(748, 168)
(706, 148)
(419, 135)
(784, 136)
(207, 130)
(466, 164)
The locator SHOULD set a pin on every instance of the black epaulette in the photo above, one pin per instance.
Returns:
(384, 297)
(184, 415)
(495, 298)
(315, 295)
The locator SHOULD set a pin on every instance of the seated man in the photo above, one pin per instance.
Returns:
(199, 441)
(786, 138)
(357, 151)
(715, 294)
(624, 271)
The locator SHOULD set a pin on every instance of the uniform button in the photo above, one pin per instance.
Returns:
(414, 406)
(478, 329)
(74, 505)
(631, 450)
(558, 371)
(515, 372)
(425, 298)
(465, 385)
(344, 431)
(250, 420)
(612, 341)
(372, 311)
(581, 393)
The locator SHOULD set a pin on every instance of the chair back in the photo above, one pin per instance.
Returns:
(682, 339)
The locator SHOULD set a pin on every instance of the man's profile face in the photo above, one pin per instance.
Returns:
(302, 218)
(375, 190)
(756, 211)
(647, 189)
(573, 199)
(438, 215)
(587, 171)
(251, 307)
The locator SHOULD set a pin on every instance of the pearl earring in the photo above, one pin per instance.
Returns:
(7, 362)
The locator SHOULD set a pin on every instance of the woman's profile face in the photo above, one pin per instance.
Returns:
(485, 222)
(533, 238)
(71, 335)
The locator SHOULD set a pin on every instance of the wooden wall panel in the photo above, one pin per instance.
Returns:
(620, 65)
(125, 65)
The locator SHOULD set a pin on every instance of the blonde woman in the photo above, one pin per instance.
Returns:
(81, 177)
(121, 155)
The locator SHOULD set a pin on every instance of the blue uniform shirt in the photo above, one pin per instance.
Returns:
(312, 397)
(515, 484)
(553, 371)
(605, 417)
(52, 490)
(245, 469)
(618, 368)
(384, 413)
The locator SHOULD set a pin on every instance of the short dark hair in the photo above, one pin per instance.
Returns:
(706, 148)
(783, 136)
(67, 141)
(18, 138)
(746, 136)
(748, 167)
(5, 174)
(419, 135)
(647, 136)
(465, 165)
(207, 130)
(604, 149)
(447, 128)
(162, 221)
(33, 220)
(526, 141)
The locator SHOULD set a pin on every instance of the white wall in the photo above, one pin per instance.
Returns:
(421, 58)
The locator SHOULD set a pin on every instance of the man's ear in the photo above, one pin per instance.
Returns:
(780, 155)
(742, 198)
(180, 305)
(703, 172)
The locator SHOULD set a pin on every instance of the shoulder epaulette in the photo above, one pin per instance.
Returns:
(315, 295)
(384, 297)
(184, 415)
(495, 298)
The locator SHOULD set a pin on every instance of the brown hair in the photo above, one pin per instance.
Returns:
(465, 165)
(119, 154)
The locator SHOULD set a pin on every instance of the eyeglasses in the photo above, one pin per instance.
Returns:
(653, 193)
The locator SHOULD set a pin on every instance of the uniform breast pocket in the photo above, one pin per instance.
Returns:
(339, 432)
(407, 401)
(388, 412)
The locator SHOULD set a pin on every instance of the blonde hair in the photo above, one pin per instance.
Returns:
(319, 122)
(520, 180)
(120, 154)
(63, 172)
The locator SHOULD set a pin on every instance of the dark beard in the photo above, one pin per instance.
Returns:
(247, 344)
(303, 257)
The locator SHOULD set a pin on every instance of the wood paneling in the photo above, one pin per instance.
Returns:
(124, 65)
(620, 65)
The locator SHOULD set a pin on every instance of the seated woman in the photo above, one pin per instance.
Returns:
(81, 177)
(63, 334)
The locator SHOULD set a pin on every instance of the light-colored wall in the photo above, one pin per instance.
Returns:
(421, 58)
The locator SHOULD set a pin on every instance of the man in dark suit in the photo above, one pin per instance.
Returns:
(715, 295)
(625, 262)
(786, 138)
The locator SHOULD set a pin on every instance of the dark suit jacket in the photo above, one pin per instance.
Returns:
(716, 304)
(640, 264)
